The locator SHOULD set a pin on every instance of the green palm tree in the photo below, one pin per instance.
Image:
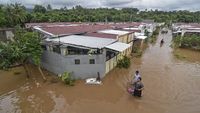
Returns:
(15, 14)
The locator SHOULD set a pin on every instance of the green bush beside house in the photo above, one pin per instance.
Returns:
(190, 42)
(68, 79)
(124, 63)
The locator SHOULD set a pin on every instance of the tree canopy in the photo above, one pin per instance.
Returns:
(26, 46)
(39, 9)
(14, 14)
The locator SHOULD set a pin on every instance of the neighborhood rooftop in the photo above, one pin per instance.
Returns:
(131, 29)
(85, 41)
(116, 32)
(67, 28)
(101, 35)
(87, 48)
(118, 46)
(70, 30)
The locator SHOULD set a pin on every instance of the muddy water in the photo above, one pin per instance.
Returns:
(171, 86)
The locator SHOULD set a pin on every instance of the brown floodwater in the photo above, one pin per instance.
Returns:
(172, 85)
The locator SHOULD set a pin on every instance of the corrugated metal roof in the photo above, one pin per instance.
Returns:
(141, 37)
(41, 30)
(131, 28)
(118, 46)
(139, 34)
(102, 35)
(116, 32)
(86, 41)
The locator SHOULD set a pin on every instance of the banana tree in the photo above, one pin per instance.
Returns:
(25, 48)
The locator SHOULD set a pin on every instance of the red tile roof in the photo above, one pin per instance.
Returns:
(29, 25)
(61, 30)
(129, 24)
(68, 28)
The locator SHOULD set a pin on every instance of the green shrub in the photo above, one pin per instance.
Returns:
(67, 79)
(156, 32)
(192, 42)
(146, 40)
(176, 41)
(137, 52)
(124, 63)
(153, 38)
(179, 56)
(135, 49)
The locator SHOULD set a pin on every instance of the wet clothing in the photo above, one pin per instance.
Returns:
(138, 86)
(136, 77)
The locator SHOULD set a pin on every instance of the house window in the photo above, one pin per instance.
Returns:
(92, 61)
(56, 49)
(77, 61)
(77, 51)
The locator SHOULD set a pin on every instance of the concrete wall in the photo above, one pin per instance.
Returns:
(58, 64)
(111, 64)
(9, 35)
(6, 35)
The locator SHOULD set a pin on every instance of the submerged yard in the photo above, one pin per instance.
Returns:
(172, 85)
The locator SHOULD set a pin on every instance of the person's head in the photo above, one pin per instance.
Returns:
(139, 79)
(137, 72)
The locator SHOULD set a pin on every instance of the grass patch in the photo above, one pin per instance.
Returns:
(188, 42)
(179, 56)
(17, 73)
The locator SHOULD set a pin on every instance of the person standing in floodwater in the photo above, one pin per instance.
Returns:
(136, 76)
(138, 88)
(98, 77)
(162, 41)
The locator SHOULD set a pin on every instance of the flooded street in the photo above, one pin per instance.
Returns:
(172, 85)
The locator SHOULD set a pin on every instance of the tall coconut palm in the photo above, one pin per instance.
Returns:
(15, 14)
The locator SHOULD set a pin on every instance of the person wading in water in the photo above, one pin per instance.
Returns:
(138, 88)
(132, 87)
(136, 76)
(162, 41)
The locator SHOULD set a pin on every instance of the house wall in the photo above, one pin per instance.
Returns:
(6, 35)
(111, 64)
(58, 64)
(9, 35)
(123, 38)
(128, 40)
